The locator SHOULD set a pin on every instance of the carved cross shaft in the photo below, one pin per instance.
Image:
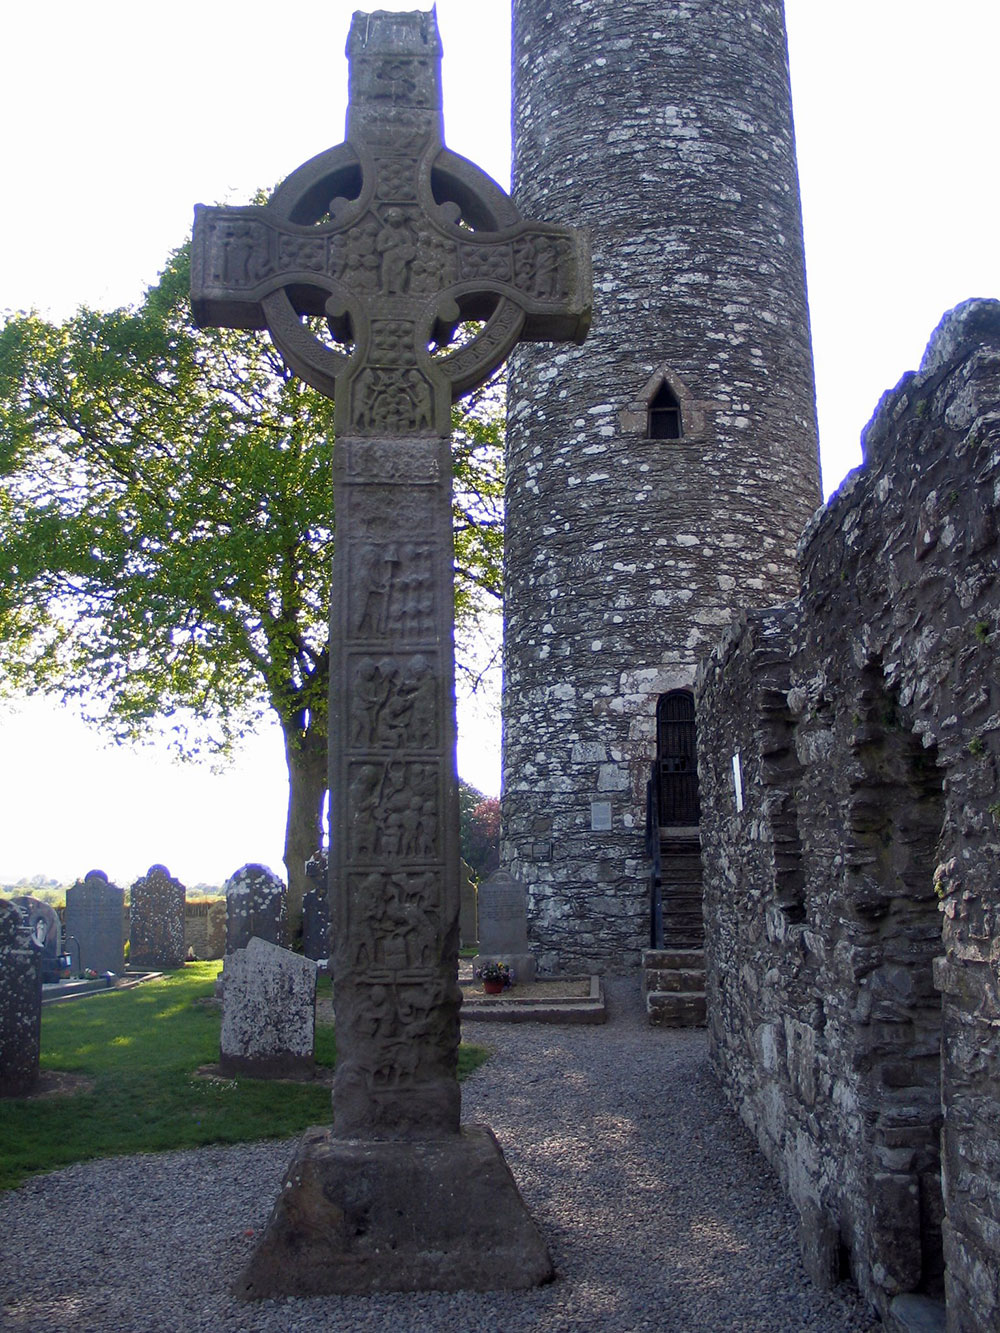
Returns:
(361, 266)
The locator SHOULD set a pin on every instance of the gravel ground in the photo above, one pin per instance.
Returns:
(659, 1213)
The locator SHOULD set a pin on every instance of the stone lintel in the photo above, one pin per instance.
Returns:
(359, 1216)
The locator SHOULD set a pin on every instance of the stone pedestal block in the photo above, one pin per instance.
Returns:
(355, 1217)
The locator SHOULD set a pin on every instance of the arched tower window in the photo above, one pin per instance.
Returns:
(664, 415)
(677, 757)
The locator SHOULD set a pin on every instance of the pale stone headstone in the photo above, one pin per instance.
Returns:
(268, 1013)
(468, 926)
(45, 933)
(156, 921)
(503, 926)
(255, 907)
(94, 919)
(20, 1004)
(368, 236)
(215, 929)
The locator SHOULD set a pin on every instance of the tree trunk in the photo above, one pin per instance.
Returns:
(306, 757)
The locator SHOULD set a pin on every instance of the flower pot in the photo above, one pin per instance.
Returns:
(493, 987)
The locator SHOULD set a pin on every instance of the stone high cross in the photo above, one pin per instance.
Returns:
(361, 266)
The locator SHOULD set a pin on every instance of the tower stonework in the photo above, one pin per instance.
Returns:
(660, 475)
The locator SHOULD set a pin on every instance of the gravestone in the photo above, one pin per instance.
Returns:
(20, 1003)
(392, 240)
(94, 919)
(468, 928)
(268, 1013)
(316, 911)
(503, 926)
(215, 929)
(156, 921)
(45, 934)
(255, 907)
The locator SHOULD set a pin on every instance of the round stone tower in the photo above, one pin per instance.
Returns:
(660, 474)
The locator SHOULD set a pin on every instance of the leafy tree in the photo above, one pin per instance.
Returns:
(479, 830)
(166, 533)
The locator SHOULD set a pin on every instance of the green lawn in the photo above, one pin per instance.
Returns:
(141, 1048)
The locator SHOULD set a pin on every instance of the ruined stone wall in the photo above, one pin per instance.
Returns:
(665, 129)
(853, 906)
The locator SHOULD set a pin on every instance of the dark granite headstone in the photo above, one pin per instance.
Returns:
(94, 919)
(156, 921)
(316, 910)
(45, 933)
(503, 925)
(369, 236)
(20, 1004)
(255, 907)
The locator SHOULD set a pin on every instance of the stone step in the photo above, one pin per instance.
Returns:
(664, 958)
(673, 979)
(678, 910)
(675, 1009)
(680, 868)
(683, 934)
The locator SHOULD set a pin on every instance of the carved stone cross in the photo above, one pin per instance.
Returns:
(367, 257)
(362, 266)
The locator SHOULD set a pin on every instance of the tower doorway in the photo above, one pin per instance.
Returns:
(677, 760)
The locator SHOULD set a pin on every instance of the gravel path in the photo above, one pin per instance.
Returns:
(659, 1213)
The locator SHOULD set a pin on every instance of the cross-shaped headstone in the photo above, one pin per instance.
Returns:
(362, 266)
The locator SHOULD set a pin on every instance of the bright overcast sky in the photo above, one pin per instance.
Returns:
(118, 117)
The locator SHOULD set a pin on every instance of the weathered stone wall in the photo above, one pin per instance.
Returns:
(864, 868)
(665, 129)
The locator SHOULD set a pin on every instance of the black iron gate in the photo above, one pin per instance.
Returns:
(677, 758)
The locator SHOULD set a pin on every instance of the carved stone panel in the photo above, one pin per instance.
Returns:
(395, 811)
(393, 703)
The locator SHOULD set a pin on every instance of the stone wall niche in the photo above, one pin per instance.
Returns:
(892, 933)
(852, 899)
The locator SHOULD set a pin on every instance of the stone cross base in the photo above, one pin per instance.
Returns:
(356, 1216)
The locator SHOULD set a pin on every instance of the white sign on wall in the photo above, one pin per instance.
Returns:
(738, 781)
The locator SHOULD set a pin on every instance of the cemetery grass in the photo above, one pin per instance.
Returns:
(141, 1049)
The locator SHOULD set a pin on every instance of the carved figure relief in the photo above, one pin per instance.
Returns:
(241, 253)
(353, 255)
(387, 402)
(397, 247)
(435, 265)
(536, 267)
(394, 811)
(395, 920)
(393, 704)
(492, 262)
(398, 1021)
